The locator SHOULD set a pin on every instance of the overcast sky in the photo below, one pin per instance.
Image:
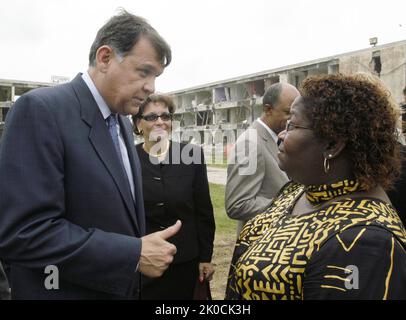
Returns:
(211, 40)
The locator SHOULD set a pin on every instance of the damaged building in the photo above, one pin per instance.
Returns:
(10, 90)
(216, 113)
(205, 113)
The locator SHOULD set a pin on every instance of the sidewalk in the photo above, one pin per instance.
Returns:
(217, 175)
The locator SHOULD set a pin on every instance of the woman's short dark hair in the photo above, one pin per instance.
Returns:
(166, 100)
(123, 31)
(361, 113)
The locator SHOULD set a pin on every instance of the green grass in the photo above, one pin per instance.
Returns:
(224, 225)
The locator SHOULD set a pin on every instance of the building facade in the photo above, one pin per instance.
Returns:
(10, 90)
(218, 112)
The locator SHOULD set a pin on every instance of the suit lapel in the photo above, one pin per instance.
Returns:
(273, 148)
(101, 141)
(103, 144)
(270, 143)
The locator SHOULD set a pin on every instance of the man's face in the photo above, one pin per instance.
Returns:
(280, 113)
(130, 80)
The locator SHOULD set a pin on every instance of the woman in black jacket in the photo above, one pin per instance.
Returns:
(175, 187)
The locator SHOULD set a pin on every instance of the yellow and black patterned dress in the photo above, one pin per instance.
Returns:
(349, 249)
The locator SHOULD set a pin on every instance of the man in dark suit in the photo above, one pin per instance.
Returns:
(403, 107)
(4, 287)
(397, 193)
(71, 203)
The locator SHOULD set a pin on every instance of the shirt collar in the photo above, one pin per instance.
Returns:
(271, 132)
(104, 109)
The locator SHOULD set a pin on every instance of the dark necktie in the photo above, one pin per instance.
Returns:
(112, 125)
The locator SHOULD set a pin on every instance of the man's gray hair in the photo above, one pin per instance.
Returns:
(123, 31)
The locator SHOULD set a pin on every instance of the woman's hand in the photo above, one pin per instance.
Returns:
(206, 271)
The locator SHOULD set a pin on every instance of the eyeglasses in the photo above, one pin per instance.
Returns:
(154, 117)
(290, 126)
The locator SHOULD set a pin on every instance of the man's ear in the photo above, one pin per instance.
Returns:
(267, 108)
(104, 55)
(334, 148)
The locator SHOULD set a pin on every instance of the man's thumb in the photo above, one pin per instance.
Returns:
(171, 231)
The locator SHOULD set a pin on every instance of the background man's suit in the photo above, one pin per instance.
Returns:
(65, 200)
(248, 195)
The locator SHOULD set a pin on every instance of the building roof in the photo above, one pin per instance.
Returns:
(275, 71)
(25, 84)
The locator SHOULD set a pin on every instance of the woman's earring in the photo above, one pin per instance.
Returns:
(327, 164)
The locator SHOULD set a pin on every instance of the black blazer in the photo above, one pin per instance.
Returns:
(65, 200)
(178, 189)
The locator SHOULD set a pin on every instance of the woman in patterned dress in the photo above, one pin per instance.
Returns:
(330, 233)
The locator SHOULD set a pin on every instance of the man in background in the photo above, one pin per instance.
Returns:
(253, 176)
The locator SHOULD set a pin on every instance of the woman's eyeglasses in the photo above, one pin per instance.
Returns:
(154, 117)
(290, 126)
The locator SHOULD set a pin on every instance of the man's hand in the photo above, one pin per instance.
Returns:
(157, 253)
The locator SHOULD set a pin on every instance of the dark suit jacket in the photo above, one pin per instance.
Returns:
(179, 190)
(398, 192)
(4, 286)
(64, 198)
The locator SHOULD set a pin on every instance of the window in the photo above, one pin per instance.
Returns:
(376, 62)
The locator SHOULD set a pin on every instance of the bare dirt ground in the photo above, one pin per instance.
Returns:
(223, 250)
(223, 244)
